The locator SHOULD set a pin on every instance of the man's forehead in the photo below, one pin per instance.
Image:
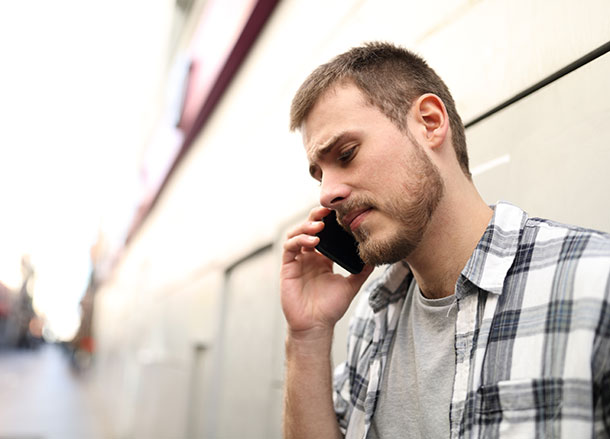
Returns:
(327, 119)
(345, 91)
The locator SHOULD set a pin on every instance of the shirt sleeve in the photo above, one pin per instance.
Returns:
(359, 334)
(601, 369)
(341, 396)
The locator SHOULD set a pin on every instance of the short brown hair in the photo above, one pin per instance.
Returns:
(391, 78)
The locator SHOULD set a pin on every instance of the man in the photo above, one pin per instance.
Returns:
(487, 323)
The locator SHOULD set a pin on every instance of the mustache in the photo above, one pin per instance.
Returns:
(355, 202)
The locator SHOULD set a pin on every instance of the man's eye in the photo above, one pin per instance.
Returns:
(315, 173)
(347, 155)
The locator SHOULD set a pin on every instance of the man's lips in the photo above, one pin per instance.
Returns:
(355, 218)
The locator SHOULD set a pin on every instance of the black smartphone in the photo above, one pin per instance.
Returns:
(337, 244)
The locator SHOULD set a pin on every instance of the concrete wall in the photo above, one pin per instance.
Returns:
(190, 335)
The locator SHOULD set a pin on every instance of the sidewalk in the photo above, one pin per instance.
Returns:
(41, 397)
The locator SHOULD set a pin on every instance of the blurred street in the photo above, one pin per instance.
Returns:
(42, 397)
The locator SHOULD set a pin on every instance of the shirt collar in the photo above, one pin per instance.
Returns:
(486, 268)
(497, 249)
(391, 286)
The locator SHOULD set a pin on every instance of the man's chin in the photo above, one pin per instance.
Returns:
(377, 253)
(375, 261)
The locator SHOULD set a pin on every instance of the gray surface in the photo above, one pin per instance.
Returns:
(247, 399)
(42, 398)
(557, 143)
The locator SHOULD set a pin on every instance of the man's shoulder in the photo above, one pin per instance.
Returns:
(570, 241)
(565, 257)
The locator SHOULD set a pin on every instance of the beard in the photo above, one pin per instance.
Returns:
(420, 190)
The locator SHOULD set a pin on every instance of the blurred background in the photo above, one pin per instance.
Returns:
(147, 178)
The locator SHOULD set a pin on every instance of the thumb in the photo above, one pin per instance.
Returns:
(356, 280)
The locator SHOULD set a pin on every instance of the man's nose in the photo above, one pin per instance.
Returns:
(332, 192)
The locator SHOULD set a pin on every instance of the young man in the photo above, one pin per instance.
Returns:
(487, 323)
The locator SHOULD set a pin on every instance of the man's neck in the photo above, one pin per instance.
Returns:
(455, 229)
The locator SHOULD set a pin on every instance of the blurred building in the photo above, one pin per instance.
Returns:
(6, 299)
(20, 325)
(186, 320)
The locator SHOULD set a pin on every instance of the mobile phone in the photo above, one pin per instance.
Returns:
(337, 244)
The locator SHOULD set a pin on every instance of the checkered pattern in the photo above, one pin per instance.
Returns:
(532, 335)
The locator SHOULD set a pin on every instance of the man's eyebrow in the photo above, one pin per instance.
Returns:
(328, 146)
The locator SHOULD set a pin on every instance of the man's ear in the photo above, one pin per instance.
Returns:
(431, 117)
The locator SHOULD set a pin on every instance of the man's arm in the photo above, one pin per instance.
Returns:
(308, 405)
(313, 300)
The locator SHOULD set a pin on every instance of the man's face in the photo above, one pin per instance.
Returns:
(379, 180)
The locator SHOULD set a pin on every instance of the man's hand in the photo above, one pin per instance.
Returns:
(313, 297)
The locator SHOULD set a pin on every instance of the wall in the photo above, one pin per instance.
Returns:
(198, 351)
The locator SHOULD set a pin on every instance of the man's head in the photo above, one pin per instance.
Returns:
(391, 78)
(378, 178)
(378, 130)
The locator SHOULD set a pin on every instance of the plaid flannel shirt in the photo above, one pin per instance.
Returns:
(532, 335)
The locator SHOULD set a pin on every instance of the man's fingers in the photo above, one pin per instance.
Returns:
(302, 238)
(310, 227)
(295, 245)
(317, 213)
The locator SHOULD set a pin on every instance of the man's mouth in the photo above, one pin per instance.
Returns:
(354, 218)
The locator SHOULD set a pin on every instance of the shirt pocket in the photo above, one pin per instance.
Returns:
(520, 404)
